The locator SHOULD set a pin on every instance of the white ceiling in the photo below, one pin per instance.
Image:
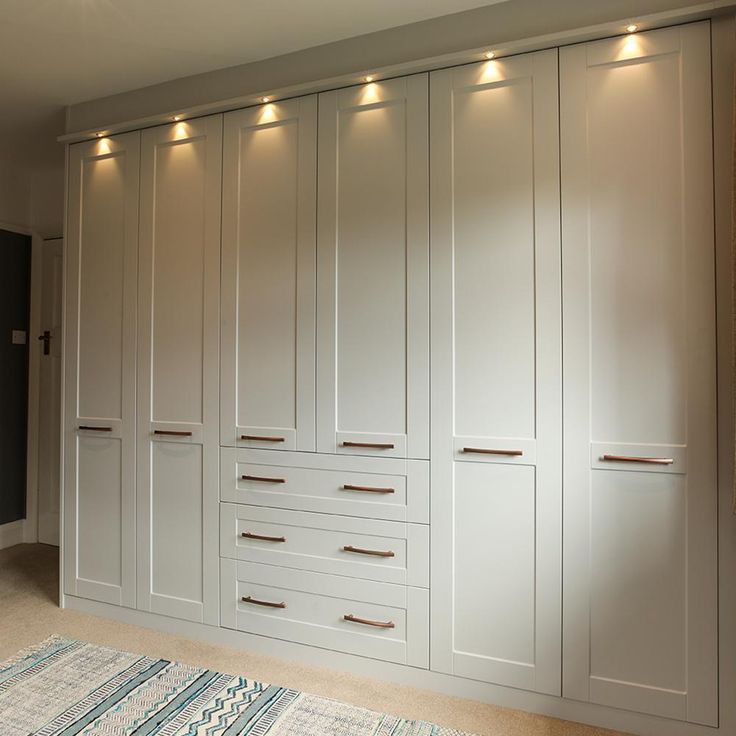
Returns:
(58, 52)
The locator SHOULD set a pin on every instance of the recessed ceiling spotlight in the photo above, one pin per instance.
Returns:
(265, 99)
(368, 78)
(632, 28)
(176, 118)
(490, 54)
(99, 135)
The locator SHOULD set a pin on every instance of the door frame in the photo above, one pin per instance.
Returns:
(26, 530)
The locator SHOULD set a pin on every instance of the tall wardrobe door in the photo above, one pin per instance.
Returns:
(496, 372)
(268, 276)
(373, 295)
(178, 367)
(100, 349)
(640, 557)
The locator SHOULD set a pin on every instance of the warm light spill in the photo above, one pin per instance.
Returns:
(181, 130)
(490, 55)
(632, 28)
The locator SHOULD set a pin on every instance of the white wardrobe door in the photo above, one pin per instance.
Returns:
(496, 374)
(178, 402)
(268, 276)
(373, 301)
(99, 391)
(640, 555)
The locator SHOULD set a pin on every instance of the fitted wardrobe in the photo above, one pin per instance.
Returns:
(420, 370)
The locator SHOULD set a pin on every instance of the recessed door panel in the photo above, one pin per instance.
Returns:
(640, 607)
(372, 378)
(496, 372)
(100, 370)
(268, 276)
(178, 366)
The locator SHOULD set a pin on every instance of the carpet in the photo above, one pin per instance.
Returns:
(64, 687)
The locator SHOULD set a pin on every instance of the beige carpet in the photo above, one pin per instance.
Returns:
(29, 613)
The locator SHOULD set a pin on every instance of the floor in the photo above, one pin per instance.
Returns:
(29, 613)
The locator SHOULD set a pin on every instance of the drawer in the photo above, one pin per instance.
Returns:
(378, 620)
(372, 488)
(372, 549)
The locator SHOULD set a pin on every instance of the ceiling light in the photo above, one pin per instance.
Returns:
(176, 118)
(632, 28)
(99, 135)
(490, 55)
(265, 99)
(369, 78)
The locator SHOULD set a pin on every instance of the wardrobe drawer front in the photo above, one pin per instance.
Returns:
(378, 620)
(386, 551)
(372, 488)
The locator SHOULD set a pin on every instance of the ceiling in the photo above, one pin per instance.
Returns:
(58, 52)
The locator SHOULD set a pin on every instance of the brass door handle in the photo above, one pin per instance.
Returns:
(259, 438)
(634, 459)
(484, 451)
(256, 602)
(368, 622)
(372, 445)
(263, 479)
(372, 552)
(367, 489)
(262, 537)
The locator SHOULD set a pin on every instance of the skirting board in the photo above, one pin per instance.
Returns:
(588, 713)
(12, 533)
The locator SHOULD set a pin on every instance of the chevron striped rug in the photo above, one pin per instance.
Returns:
(63, 687)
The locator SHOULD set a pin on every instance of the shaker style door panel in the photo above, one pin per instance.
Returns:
(640, 555)
(268, 276)
(496, 372)
(372, 310)
(100, 350)
(178, 367)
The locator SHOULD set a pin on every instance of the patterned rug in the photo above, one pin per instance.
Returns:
(63, 687)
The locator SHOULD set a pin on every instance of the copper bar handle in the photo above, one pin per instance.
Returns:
(263, 479)
(484, 451)
(368, 622)
(372, 445)
(256, 602)
(260, 438)
(262, 537)
(172, 433)
(367, 489)
(373, 552)
(634, 459)
(88, 428)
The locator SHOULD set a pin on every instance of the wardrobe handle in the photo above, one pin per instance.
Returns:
(171, 433)
(256, 602)
(263, 479)
(483, 451)
(88, 428)
(373, 445)
(367, 489)
(260, 438)
(373, 552)
(634, 459)
(368, 622)
(263, 537)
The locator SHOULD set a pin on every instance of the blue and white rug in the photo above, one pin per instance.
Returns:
(63, 687)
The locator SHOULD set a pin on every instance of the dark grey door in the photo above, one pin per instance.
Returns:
(15, 290)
